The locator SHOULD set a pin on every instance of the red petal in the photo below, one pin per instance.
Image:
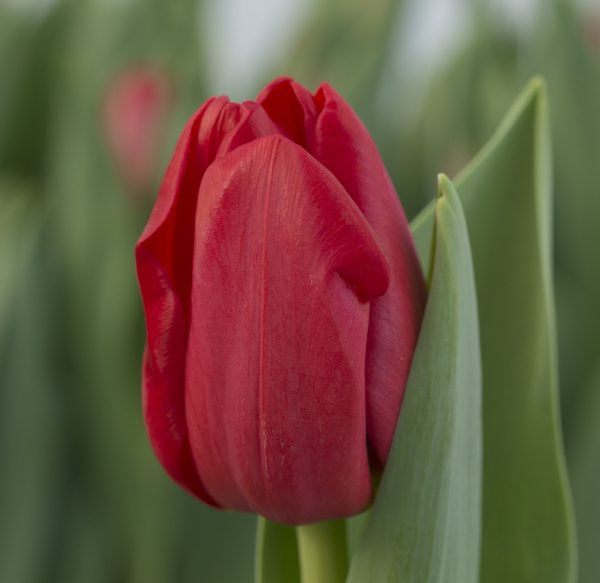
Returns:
(275, 395)
(343, 145)
(292, 108)
(164, 263)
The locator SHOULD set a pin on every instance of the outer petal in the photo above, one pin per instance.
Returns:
(164, 263)
(284, 264)
(342, 144)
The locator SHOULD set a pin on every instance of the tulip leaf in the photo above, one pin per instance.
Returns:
(30, 418)
(567, 56)
(527, 525)
(584, 458)
(276, 553)
(425, 522)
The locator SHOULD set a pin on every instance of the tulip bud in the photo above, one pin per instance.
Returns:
(283, 300)
(135, 113)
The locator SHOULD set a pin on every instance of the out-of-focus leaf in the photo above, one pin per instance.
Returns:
(346, 43)
(31, 453)
(226, 542)
(584, 465)
(528, 530)
(87, 552)
(573, 71)
(276, 558)
(29, 45)
(16, 210)
(573, 74)
(355, 527)
(425, 523)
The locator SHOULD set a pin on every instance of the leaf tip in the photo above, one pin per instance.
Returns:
(444, 185)
(446, 189)
(537, 86)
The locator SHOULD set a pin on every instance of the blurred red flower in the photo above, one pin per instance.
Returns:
(135, 114)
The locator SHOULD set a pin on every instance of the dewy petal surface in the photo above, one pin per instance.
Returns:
(284, 269)
(164, 264)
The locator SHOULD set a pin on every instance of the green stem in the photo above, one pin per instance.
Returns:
(322, 551)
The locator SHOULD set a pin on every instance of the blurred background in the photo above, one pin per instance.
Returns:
(93, 94)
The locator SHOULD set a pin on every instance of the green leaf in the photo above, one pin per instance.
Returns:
(567, 57)
(528, 527)
(31, 420)
(276, 553)
(425, 522)
(583, 465)
(338, 53)
(17, 218)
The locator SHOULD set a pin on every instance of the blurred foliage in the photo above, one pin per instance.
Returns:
(81, 496)
(346, 43)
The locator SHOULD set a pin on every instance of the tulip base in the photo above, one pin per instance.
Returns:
(323, 552)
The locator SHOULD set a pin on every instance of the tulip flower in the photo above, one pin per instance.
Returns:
(135, 112)
(283, 300)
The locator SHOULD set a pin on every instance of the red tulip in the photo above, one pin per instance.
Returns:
(135, 113)
(283, 301)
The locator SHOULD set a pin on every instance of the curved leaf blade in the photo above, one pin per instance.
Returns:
(528, 526)
(426, 517)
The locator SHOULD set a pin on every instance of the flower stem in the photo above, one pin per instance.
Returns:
(322, 551)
